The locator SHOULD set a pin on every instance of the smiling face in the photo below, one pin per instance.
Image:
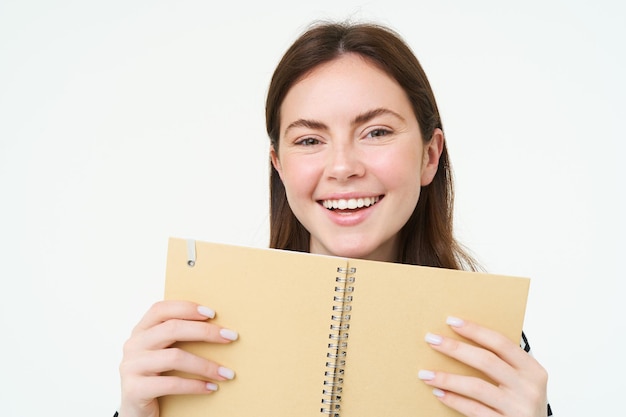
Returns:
(352, 158)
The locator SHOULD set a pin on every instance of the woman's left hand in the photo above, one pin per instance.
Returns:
(520, 382)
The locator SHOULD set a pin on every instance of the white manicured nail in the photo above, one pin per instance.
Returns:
(426, 375)
(206, 311)
(229, 334)
(211, 386)
(454, 321)
(226, 373)
(438, 393)
(433, 339)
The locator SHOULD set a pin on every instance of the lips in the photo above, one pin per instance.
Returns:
(350, 203)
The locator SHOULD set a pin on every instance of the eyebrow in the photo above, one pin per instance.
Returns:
(369, 115)
(359, 119)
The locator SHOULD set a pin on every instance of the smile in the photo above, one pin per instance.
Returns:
(350, 204)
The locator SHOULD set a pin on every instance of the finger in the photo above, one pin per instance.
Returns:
(472, 388)
(169, 309)
(476, 357)
(494, 341)
(173, 359)
(166, 333)
(466, 406)
(151, 387)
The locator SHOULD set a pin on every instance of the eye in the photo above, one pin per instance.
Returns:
(308, 142)
(378, 132)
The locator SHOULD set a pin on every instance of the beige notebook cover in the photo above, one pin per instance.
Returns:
(283, 305)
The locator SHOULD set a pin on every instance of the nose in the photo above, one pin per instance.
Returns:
(344, 163)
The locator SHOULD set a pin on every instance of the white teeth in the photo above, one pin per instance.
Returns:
(351, 204)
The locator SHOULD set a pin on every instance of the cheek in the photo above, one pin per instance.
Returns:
(399, 168)
(299, 178)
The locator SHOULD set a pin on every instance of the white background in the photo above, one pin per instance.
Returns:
(123, 123)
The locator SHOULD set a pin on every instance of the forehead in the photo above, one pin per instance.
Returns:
(344, 86)
(350, 61)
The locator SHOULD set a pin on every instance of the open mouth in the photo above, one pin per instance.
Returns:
(350, 203)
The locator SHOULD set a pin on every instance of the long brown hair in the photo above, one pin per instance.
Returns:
(427, 237)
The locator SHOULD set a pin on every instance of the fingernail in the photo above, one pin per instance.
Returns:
(226, 373)
(211, 386)
(426, 375)
(206, 311)
(433, 339)
(438, 393)
(229, 334)
(454, 321)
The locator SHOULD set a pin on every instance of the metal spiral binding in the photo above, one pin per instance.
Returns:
(338, 336)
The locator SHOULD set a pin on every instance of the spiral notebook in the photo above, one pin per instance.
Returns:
(327, 336)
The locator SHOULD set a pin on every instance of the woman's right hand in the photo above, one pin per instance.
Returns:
(148, 353)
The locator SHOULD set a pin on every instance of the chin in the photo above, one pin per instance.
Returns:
(358, 251)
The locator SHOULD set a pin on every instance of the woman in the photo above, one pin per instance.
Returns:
(359, 169)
